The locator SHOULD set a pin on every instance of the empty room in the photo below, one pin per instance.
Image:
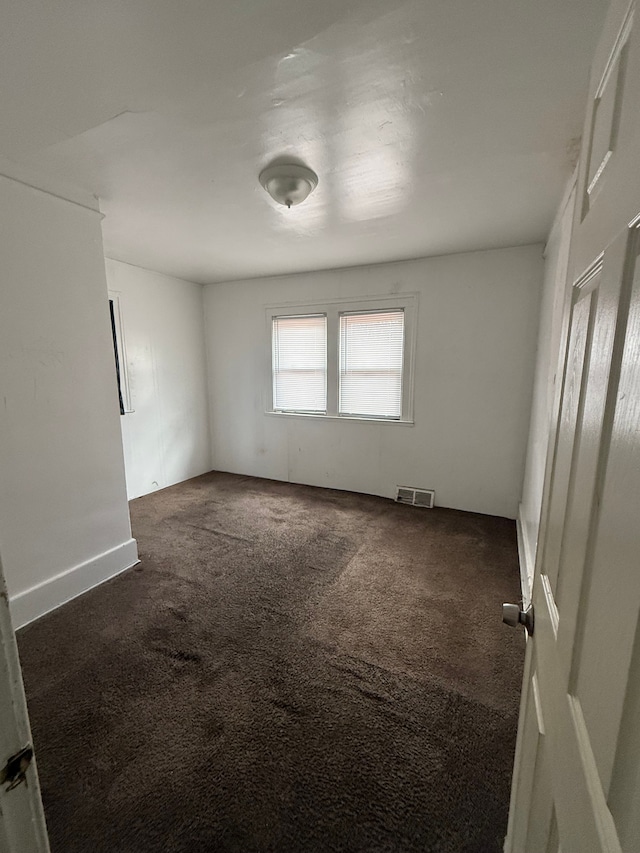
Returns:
(319, 429)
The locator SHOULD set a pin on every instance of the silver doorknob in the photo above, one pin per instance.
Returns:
(514, 616)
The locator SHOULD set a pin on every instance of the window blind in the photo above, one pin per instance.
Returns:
(371, 360)
(300, 363)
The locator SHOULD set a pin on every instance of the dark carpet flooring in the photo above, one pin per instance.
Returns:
(288, 669)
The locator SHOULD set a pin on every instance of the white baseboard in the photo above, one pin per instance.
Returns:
(51, 593)
(525, 558)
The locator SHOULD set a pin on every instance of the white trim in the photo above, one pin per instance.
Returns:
(599, 171)
(552, 607)
(58, 189)
(616, 62)
(384, 299)
(566, 198)
(526, 559)
(605, 824)
(516, 825)
(357, 418)
(618, 45)
(594, 269)
(535, 687)
(48, 595)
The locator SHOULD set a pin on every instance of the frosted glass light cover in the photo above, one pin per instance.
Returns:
(289, 184)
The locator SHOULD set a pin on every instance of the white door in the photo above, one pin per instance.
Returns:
(576, 786)
(22, 826)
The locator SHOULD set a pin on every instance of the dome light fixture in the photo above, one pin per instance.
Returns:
(288, 184)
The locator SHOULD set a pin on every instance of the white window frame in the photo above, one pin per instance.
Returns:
(408, 302)
(273, 347)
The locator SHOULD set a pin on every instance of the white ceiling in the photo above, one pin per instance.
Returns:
(435, 126)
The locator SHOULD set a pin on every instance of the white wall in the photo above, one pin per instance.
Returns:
(549, 333)
(64, 521)
(166, 436)
(477, 327)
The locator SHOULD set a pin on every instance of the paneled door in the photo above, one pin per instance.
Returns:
(576, 785)
(22, 825)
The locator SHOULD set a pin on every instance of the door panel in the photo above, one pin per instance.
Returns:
(539, 831)
(566, 435)
(554, 845)
(624, 791)
(582, 649)
(606, 114)
(612, 601)
(608, 333)
(577, 771)
(22, 824)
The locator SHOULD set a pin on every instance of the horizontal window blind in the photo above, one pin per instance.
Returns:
(371, 358)
(300, 363)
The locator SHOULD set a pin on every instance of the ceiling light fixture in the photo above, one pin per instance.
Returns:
(288, 184)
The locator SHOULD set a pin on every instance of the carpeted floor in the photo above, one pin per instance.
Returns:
(288, 669)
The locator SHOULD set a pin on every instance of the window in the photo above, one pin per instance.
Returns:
(371, 356)
(300, 363)
(344, 360)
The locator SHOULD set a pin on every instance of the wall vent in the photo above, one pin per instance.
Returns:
(415, 497)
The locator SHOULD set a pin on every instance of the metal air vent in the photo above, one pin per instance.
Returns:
(415, 497)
